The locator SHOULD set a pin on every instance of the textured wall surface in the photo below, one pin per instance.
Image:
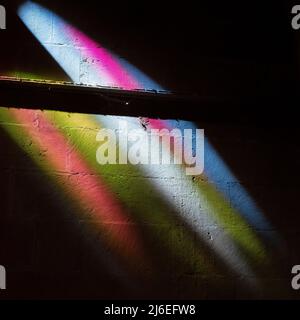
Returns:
(72, 228)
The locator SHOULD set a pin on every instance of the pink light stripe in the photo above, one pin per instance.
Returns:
(90, 191)
(112, 68)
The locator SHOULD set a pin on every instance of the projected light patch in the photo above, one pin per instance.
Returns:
(84, 60)
(242, 240)
(132, 190)
(98, 204)
(219, 174)
(108, 70)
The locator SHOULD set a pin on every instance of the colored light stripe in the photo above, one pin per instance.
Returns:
(222, 244)
(217, 171)
(104, 62)
(84, 60)
(157, 214)
(224, 214)
(88, 190)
